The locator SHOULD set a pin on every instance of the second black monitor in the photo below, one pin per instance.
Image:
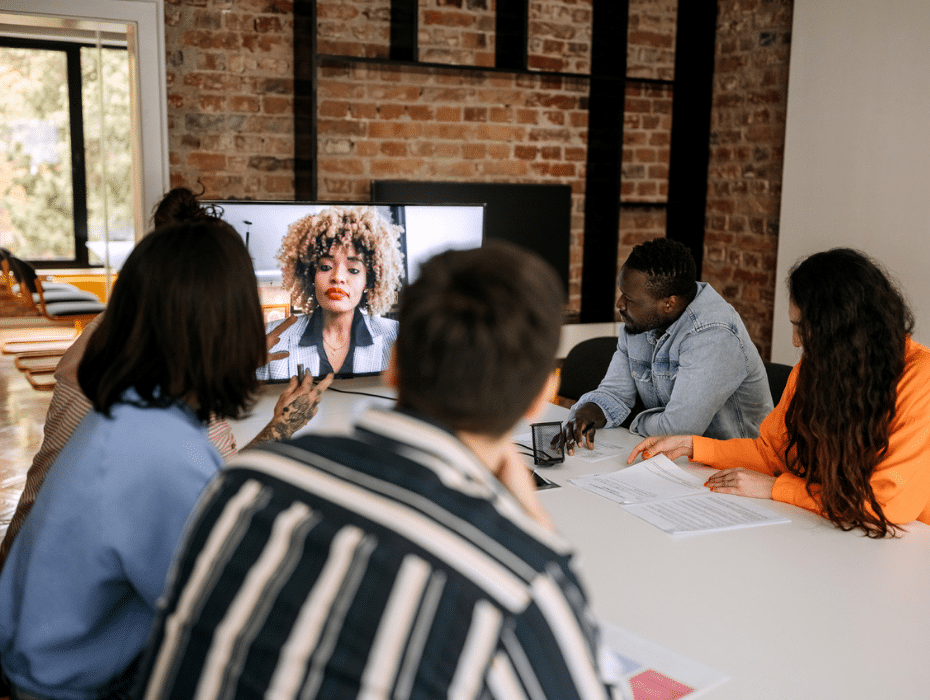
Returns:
(535, 216)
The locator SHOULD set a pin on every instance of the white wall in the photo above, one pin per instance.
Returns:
(857, 145)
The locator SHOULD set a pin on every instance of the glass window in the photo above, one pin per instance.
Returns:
(65, 156)
(37, 207)
(108, 153)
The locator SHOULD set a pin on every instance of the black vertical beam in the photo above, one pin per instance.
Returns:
(511, 39)
(305, 130)
(604, 160)
(691, 110)
(78, 163)
(404, 30)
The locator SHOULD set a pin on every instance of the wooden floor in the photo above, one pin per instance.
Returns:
(22, 416)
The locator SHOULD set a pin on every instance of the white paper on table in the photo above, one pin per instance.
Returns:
(705, 512)
(604, 447)
(649, 480)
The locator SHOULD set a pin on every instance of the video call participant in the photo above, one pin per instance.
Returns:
(682, 351)
(68, 405)
(850, 438)
(411, 558)
(78, 591)
(343, 268)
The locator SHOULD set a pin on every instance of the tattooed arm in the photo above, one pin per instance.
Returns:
(296, 406)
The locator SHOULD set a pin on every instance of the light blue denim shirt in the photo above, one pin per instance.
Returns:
(702, 376)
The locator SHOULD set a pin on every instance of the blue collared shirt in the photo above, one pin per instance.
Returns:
(79, 589)
(702, 376)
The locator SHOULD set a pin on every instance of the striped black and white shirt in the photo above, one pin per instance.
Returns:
(389, 564)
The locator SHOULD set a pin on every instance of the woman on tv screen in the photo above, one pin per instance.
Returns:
(343, 268)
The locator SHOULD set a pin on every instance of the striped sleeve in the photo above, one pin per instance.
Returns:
(292, 584)
(221, 435)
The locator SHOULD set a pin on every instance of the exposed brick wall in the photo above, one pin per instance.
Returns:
(560, 36)
(459, 32)
(231, 97)
(638, 225)
(647, 131)
(358, 28)
(417, 123)
(746, 159)
(230, 94)
(651, 39)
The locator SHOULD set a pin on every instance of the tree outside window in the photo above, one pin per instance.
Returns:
(65, 157)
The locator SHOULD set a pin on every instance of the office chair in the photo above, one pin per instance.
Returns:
(778, 377)
(54, 301)
(62, 302)
(584, 367)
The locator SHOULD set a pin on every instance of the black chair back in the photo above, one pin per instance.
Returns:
(778, 377)
(585, 366)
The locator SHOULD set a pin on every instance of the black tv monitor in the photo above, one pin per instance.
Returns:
(419, 231)
(535, 216)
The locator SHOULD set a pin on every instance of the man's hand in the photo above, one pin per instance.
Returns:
(272, 338)
(516, 477)
(295, 407)
(742, 482)
(672, 446)
(587, 419)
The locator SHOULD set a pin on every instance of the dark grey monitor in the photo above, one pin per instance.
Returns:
(535, 216)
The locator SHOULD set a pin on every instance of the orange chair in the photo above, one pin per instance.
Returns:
(54, 301)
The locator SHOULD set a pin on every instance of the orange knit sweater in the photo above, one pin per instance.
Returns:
(901, 481)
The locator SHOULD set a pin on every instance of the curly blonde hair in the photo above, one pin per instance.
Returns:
(310, 238)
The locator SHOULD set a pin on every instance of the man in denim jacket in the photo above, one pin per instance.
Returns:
(683, 352)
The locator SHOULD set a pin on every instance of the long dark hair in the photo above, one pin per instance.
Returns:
(854, 325)
(184, 324)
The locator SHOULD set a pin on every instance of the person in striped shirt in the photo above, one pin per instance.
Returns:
(410, 558)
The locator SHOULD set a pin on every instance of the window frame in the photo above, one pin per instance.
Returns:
(72, 51)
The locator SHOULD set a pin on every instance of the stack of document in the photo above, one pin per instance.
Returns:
(664, 495)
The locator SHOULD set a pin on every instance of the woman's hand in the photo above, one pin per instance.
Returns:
(295, 407)
(672, 446)
(298, 403)
(272, 338)
(516, 477)
(741, 482)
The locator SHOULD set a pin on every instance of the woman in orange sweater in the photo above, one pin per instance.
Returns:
(850, 438)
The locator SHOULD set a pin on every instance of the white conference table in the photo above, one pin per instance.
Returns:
(796, 611)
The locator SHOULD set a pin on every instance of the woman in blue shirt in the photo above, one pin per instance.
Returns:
(180, 341)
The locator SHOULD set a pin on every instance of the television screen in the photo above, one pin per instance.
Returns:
(342, 265)
(535, 216)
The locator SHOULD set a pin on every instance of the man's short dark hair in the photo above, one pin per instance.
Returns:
(669, 265)
(184, 323)
(478, 334)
